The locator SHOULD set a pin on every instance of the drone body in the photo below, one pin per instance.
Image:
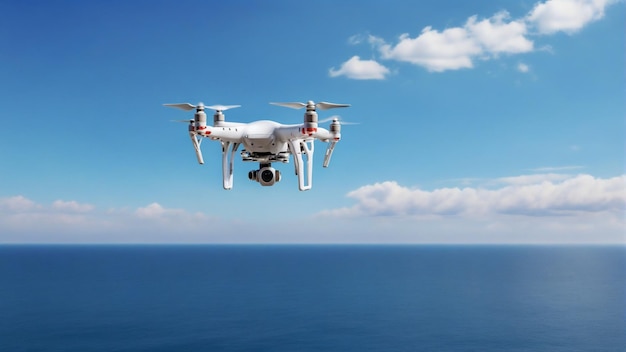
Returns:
(265, 141)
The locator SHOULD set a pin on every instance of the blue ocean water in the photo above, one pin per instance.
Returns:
(312, 298)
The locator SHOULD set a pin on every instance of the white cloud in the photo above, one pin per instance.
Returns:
(544, 208)
(375, 41)
(534, 195)
(17, 203)
(60, 222)
(495, 35)
(355, 39)
(459, 47)
(72, 206)
(356, 68)
(436, 51)
(533, 179)
(521, 67)
(566, 15)
(24, 220)
(24, 215)
(151, 211)
(156, 212)
(557, 168)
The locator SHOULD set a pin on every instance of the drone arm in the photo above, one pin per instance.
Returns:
(297, 148)
(232, 133)
(322, 134)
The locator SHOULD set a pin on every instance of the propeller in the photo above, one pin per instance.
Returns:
(222, 107)
(310, 105)
(337, 119)
(201, 106)
(186, 106)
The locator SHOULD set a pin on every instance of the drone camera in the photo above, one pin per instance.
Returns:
(266, 176)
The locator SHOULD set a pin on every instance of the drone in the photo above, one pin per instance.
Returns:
(265, 141)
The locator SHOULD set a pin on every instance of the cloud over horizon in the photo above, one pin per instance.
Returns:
(459, 47)
(24, 220)
(526, 195)
(536, 208)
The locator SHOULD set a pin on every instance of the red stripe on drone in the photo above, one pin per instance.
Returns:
(309, 130)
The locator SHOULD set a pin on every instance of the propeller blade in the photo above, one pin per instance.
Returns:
(325, 106)
(184, 121)
(334, 117)
(294, 105)
(322, 105)
(183, 106)
(338, 119)
(222, 107)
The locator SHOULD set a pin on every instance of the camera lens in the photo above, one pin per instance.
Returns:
(267, 175)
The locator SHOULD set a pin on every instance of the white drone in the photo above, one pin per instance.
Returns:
(265, 141)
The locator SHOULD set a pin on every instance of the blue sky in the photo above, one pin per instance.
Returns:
(479, 122)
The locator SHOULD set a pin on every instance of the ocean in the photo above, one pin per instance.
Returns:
(312, 298)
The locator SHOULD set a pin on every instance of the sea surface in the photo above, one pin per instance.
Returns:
(312, 298)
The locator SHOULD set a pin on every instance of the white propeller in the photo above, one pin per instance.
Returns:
(310, 105)
(184, 106)
(337, 119)
(222, 107)
(201, 106)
